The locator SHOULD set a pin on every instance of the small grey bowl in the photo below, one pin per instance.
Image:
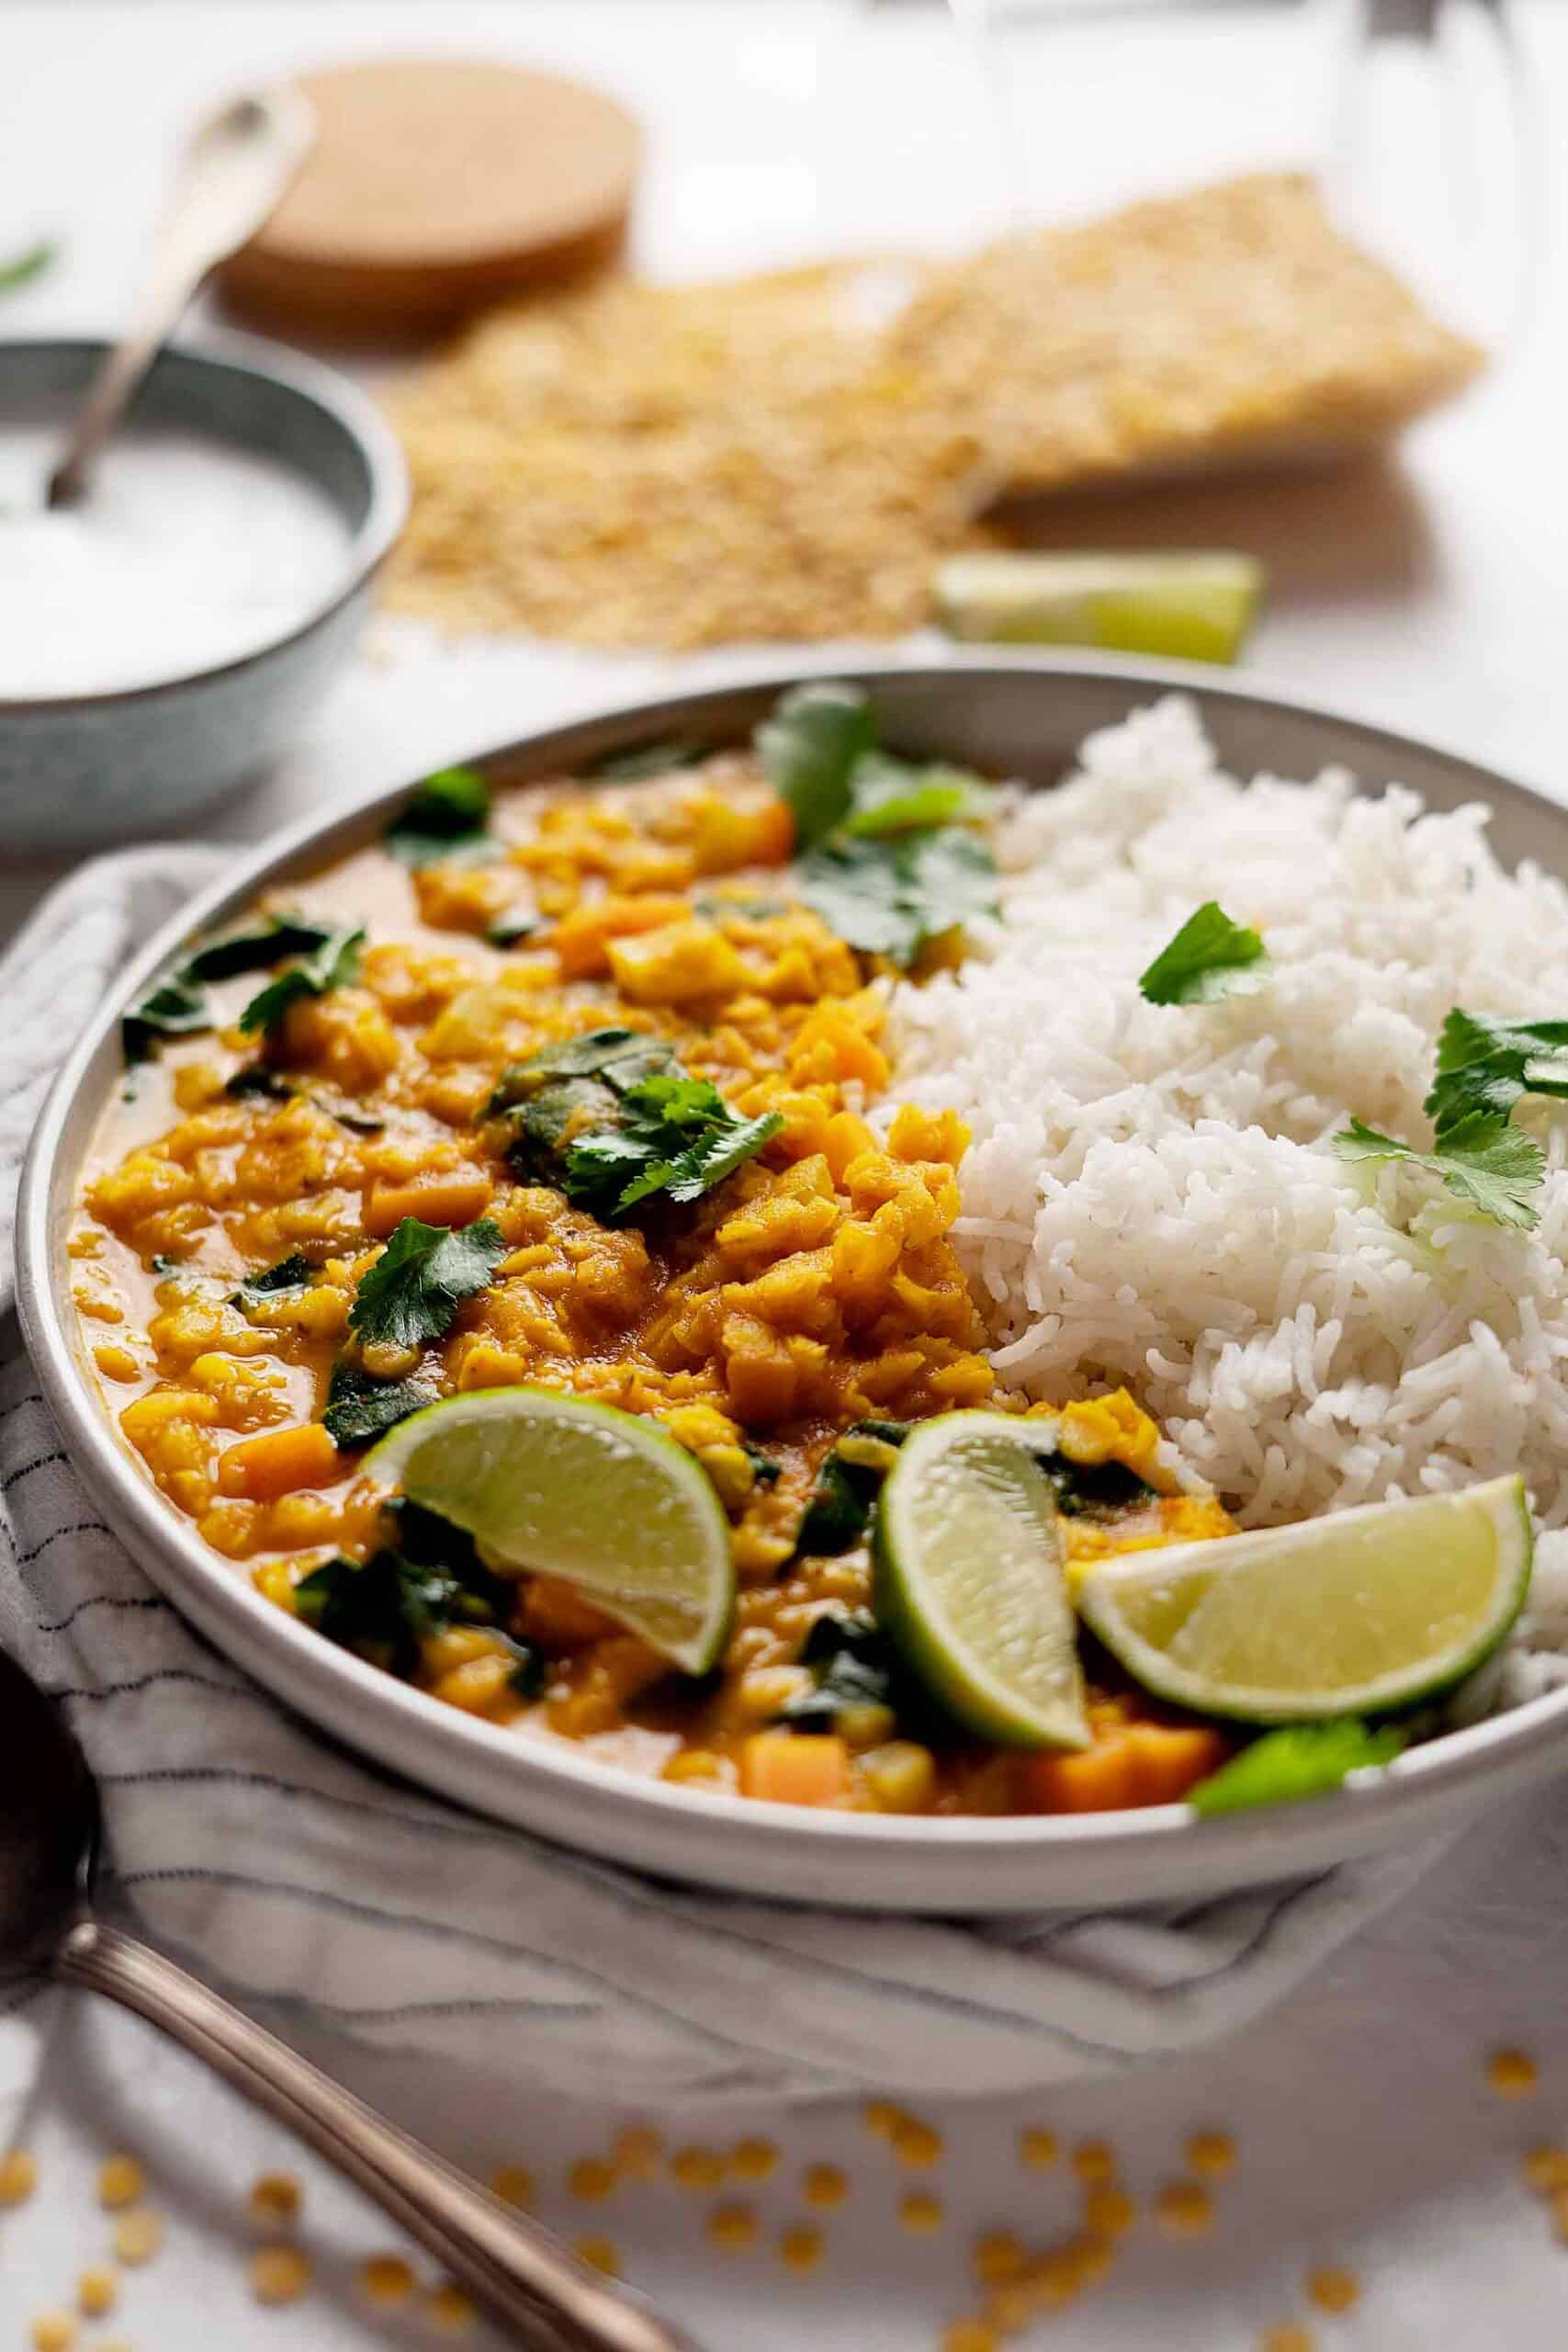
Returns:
(82, 769)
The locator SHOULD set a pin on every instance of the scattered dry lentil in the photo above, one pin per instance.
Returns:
(1108, 2211)
(279, 2273)
(969, 2335)
(733, 2227)
(753, 2159)
(997, 2257)
(1039, 2150)
(52, 2332)
(275, 2199)
(824, 2184)
(638, 2151)
(1213, 2152)
(121, 2182)
(1184, 2209)
(599, 2255)
(386, 2278)
(18, 2177)
(915, 2145)
(1094, 2161)
(1511, 2073)
(1087, 2260)
(881, 2117)
(137, 2236)
(921, 2211)
(697, 2168)
(97, 2290)
(591, 2177)
(1288, 2337)
(800, 2246)
(1546, 2167)
(449, 2306)
(513, 2184)
(1333, 2290)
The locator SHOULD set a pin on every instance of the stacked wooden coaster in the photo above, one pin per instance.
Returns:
(437, 185)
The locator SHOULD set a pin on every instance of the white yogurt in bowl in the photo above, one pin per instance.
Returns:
(187, 553)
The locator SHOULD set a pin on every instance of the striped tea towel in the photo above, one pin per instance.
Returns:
(298, 1875)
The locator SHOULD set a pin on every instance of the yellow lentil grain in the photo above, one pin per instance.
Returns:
(997, 2257)
(18, 2177)
(599, 2255)
(121, 2182)
(449, 2306)
(1086, 2260)
(279, 2273)
(1039, 2150)
(1094, 2161)
(882, 2117)
(513, 2184)
(915, 2145)
(275, 2199)
(98, 2290)
(1213, 2152)
(1184, 2209)
(753, 2159)
(733, 2227)
(638, 2151)
(697, 2168)
(1511, 2073)
(1558, 2200)
(969, 2335)
(52, 2332)
(1546, 2167)
(386, 2278)
(921, 2211)
(1332, 2290)
(137, 2236)
(824, 2184)
(1009, 2309)
(800, 2246)
(1109, 2213)
(1288, 2337)
(591, 2177)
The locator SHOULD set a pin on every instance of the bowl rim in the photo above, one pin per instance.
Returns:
(457, 1753)
(226, 352)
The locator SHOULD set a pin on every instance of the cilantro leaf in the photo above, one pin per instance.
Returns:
(674, 1135)
(259, 1078)
(416, 1286)
(289, 1273)
(888, 796)
(1209, 957)
(621, 1056)
(360, 1408)
(1486, 1065)
(1302, 1761)
(1482, 1160)
(170, 1007)
(718, 1154)
(19, 270)
(333, 965)
(646, 760)
(808, 747)
(253, 946)
(888, 895)
(447, 817)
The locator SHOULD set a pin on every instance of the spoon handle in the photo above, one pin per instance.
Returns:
(238, 163)
(514, 2268)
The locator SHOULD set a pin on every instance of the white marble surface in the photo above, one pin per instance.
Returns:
(1428, 592)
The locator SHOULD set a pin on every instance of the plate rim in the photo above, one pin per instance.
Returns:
(925, 1864)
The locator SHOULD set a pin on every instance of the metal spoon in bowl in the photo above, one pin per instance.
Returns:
(49, 1840)
(238, 163)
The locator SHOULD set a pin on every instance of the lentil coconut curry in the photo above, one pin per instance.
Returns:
(509, 1250)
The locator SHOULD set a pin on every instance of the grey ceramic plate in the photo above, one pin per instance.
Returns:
(1025, 717)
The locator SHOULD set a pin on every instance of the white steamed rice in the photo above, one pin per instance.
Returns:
(1148, 1197)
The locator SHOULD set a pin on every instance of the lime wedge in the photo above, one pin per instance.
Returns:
(1348, 1615)
(1194, 607)
(602, 1498)
(969, 1583)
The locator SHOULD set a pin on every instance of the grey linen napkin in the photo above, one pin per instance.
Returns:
(298, 1875)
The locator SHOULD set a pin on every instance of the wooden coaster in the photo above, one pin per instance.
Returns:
(437, 184)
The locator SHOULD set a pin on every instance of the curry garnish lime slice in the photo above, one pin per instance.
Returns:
(1356, 1614)
(601, 1498)
(969, 1581)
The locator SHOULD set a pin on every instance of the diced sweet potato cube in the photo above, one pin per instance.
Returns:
(1137, 1764)
(791, 1768)
(455, 1197)
(280, 1463)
